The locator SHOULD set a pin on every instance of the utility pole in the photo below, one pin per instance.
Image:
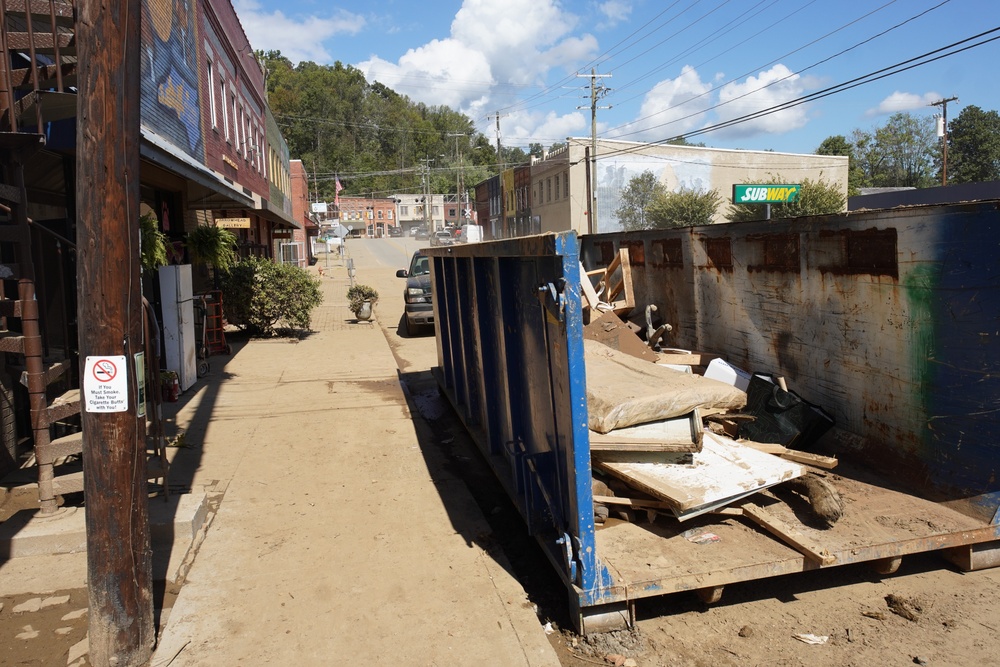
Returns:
(459, 176)
(499, 154)
(943, 133)
(426, 187)
(109, 298)
(596, 93)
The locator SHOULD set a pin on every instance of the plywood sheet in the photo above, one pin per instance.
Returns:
(723, 472)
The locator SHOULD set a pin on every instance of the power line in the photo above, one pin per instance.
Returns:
(876, 75)
(768, 64)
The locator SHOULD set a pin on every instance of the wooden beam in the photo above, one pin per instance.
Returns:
(788, 534)
(807, 458)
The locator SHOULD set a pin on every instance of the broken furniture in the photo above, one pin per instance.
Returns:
(613, 290)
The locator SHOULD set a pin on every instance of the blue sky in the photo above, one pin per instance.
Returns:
(675, 66)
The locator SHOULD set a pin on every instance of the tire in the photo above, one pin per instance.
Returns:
(407, 327)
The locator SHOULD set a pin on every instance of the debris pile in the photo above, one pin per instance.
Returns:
(682, 433)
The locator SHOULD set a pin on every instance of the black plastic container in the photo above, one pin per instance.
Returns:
(782, 417)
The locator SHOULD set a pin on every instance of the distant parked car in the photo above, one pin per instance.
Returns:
(421, 235)
(442, 237)
(419, 308)
(395, 232)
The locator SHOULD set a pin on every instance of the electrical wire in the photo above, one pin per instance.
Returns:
(773, 62)
(902, 66)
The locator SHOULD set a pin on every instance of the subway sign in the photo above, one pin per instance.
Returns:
(765, 194)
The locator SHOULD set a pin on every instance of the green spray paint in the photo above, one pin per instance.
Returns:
(920, 289)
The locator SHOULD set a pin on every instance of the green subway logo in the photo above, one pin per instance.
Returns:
(765, 194)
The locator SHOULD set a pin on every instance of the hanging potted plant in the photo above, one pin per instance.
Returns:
(360, 300)
(215, 246)
(152, 244)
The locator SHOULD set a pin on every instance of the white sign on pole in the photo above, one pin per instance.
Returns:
(105, 384)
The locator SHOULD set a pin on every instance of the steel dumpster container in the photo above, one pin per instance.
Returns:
(888, 319)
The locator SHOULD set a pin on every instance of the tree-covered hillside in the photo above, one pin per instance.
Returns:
(374, 140)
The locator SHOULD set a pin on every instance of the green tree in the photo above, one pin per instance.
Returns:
(901, 153)
(371, 137)
(817, 197)
(909, 142)
(641, 191)
(839, 145)
(974, 146)
(684, 208)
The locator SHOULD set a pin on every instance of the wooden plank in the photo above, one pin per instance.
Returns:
(590, 294)
(723, 471)
(788, 534)
(686, 358)
(634, 503)
(606, 443)
(807, 458)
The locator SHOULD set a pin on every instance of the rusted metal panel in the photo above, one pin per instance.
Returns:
(888, 319)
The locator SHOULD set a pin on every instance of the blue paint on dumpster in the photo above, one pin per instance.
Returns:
(510, 357)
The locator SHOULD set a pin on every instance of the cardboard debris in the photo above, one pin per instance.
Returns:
(624, 391)
(610, 330)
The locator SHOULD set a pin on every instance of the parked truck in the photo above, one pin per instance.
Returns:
(471, 234)
(887, 319)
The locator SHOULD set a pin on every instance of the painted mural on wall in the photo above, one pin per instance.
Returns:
(614, 175)
(170, 90)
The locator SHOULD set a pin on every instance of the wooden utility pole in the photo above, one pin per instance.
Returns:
(596, 93)
(119, 563)
(944, 136)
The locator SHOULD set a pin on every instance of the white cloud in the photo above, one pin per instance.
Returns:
(671, 107)
(298, 38)
(494, 52)
(615, 11)
(442, 73)
(767, 89)
(544, 128)
(902, 102)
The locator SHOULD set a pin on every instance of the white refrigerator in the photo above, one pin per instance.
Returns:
(178, 323)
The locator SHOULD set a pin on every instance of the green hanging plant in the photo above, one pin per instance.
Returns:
(208, 244)
(152, 243)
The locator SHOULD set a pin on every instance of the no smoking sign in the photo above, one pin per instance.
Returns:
(105, 384)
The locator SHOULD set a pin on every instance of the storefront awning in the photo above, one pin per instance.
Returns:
(206, 190)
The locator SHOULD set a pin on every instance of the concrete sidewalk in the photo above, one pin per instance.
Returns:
(339, 536)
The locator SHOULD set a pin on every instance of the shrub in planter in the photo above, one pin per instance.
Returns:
(259, 295)
(357, 295)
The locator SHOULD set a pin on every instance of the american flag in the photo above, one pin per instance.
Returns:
(336, 196)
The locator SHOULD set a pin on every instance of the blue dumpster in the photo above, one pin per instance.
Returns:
(800, 298)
